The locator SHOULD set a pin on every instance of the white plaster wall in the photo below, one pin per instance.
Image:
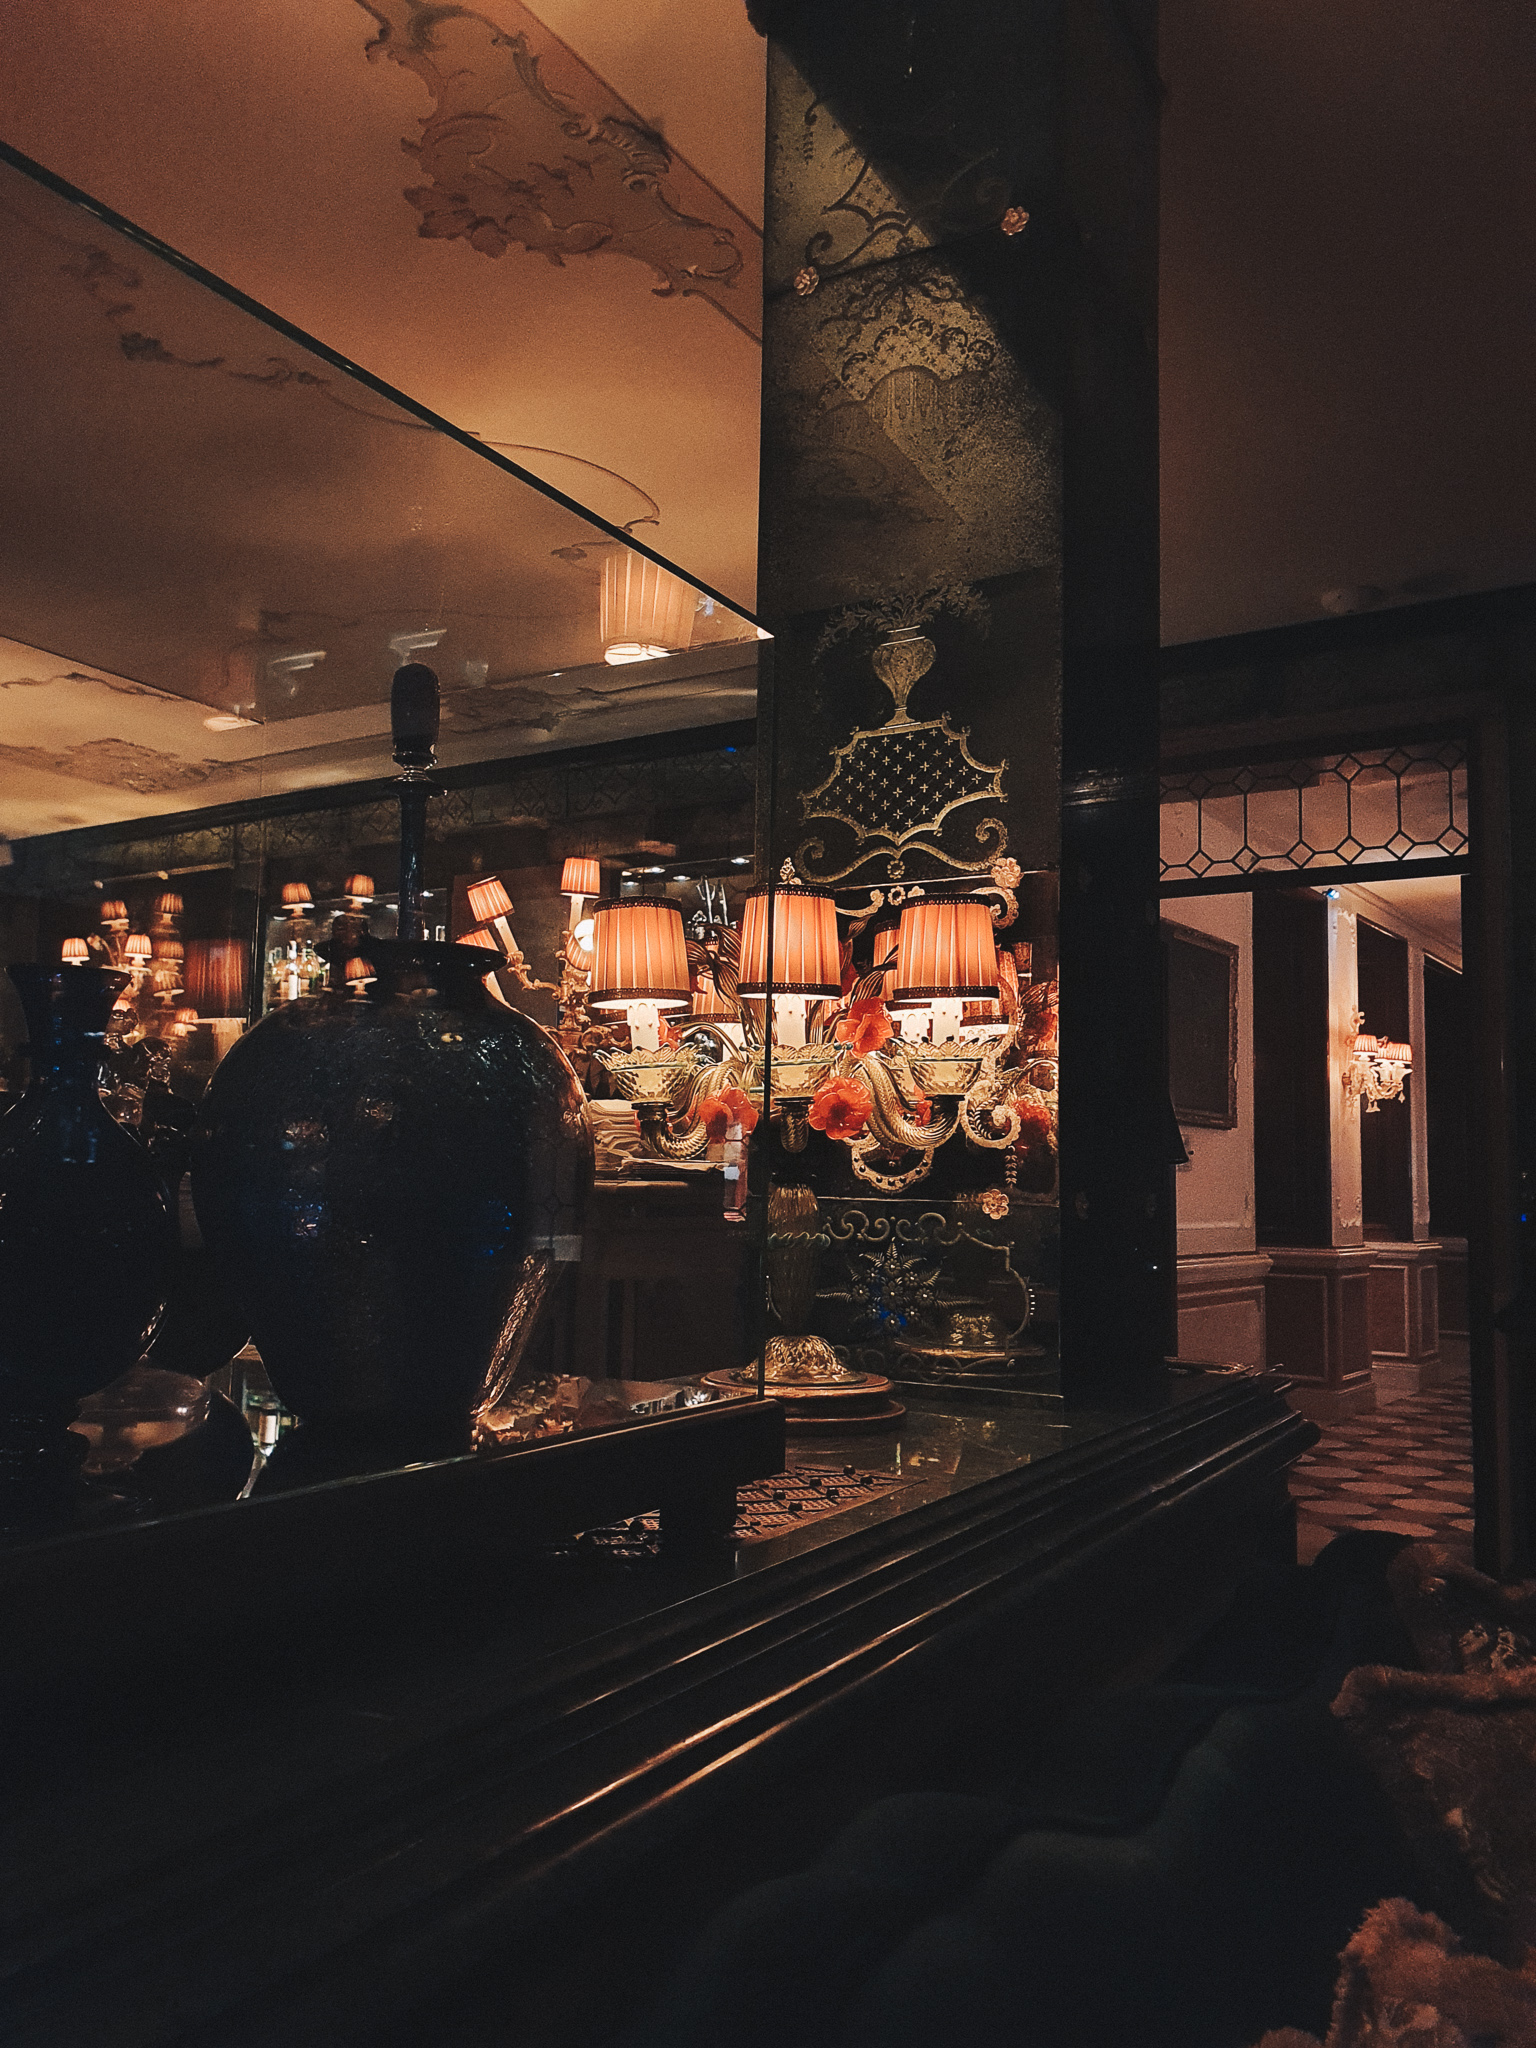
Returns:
(1215, 1190)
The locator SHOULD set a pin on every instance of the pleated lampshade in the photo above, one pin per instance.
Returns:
(708, 1001)
(74, 952)
(639, 954)
(137, 946)
(581, 876)
(488, 899)
(215, 977)
(296, 897)
(805, 953)
(944, 950)
(168, 906)
(646, 610)
(482, 939)
(359, 888)
(114, 911)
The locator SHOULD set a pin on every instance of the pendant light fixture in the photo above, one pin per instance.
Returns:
(646, 611)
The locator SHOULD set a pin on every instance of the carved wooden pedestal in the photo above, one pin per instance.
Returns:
(1405, 1320)
(1317, 1311)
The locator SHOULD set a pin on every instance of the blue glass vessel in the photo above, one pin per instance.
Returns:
(387, 1182)
(87, 1235)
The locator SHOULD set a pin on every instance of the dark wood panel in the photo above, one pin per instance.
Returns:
(1447, 1101)
(1386, 1137)
(1290, 1070)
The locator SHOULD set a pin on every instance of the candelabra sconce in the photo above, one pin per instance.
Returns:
(492, 909)
(640, 967)
(1377, 1069)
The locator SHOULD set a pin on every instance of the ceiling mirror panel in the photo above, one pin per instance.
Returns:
(223, 540)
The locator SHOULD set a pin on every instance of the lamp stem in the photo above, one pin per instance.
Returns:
(414, 713)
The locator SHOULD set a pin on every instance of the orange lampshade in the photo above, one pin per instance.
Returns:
(646, 610)
(358, 885)
(581, 876)
(483, 939)
(215, 976)
(137, 946)
(296, 896)
(944, 949)
(639, 954)
(358, 970)
(168, 949)
(74, 952)
(114, 911)
(168, 905)
(708, 1001)
(185, 1019)
(805, 955)
(488, 899)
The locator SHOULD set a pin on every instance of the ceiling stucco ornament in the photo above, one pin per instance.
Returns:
(511, 162)
(117, 763)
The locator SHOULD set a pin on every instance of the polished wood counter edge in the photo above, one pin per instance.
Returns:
(363, 1871)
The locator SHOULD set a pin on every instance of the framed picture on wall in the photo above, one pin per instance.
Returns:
(1201, 982)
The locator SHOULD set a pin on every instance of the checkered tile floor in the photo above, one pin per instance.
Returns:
(1407, 1468)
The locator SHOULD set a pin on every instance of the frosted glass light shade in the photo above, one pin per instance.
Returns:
(805, 951)
(639, 955)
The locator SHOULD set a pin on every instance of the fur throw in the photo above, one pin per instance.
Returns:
(1406, 1982)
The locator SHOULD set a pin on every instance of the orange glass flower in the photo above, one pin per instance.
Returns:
(719, 1112)
(1037, 1129)
(841, 1108)
(866, 1026)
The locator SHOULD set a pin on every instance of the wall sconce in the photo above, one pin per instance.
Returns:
(1377, 1069)
(489, 904)
(640, 964)
(580, 878)
(74, 953)
(946, 956)
(806, 966)
(646, 611)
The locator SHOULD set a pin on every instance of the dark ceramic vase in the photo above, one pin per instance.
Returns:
(386, 1183)
(87, 1234)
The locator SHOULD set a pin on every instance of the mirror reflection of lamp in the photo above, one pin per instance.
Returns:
(645, 612)
(946, 957)
(640, 964)
(711, 1008)
(580, 878)
(1377, 1069)
(805, 968)
(489, 904)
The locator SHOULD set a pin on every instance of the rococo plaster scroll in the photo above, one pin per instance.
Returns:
(509, 161)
